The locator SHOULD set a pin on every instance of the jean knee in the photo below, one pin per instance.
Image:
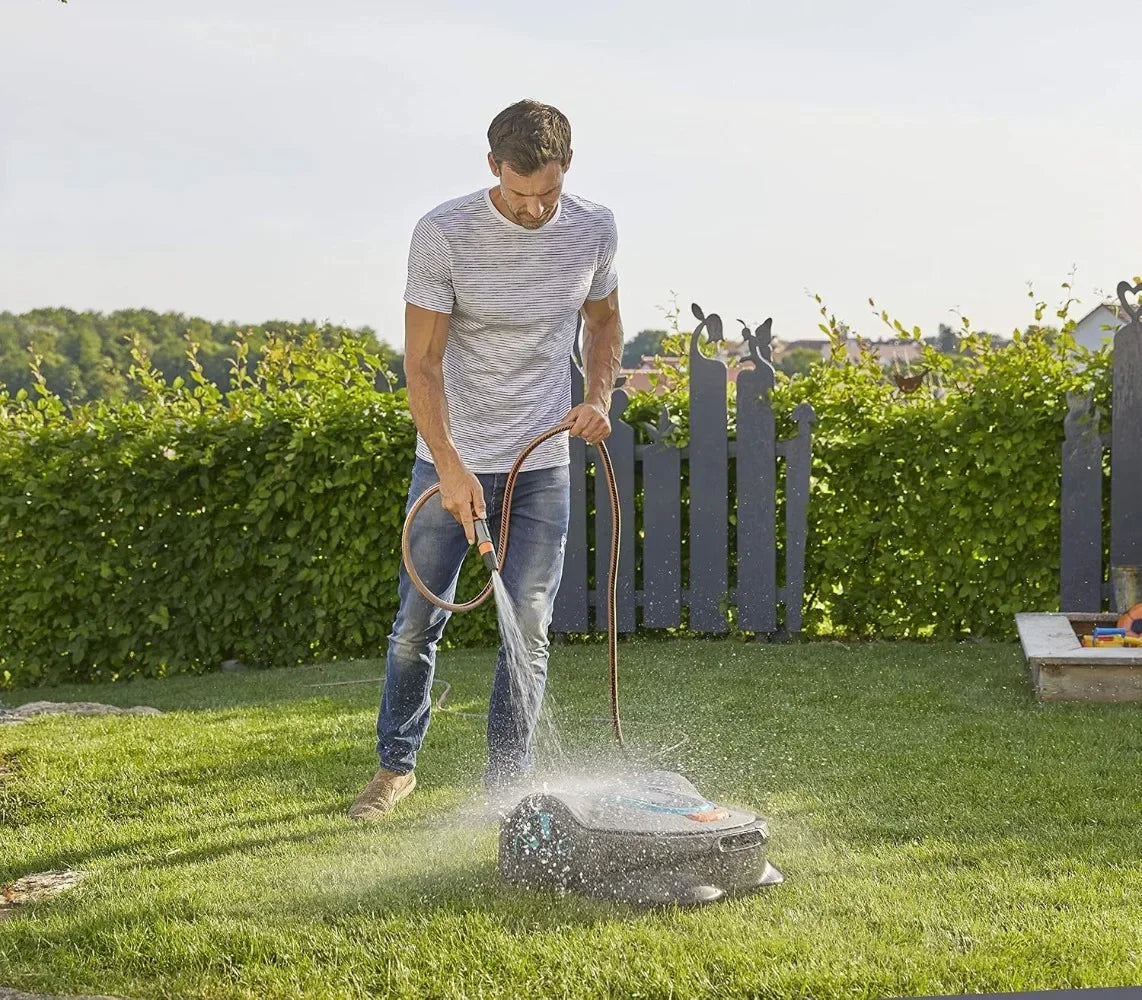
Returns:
(419, 627)
(534, 615)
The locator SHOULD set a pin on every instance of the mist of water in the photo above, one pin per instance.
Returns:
(528, 685)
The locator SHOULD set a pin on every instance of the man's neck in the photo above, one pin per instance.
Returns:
(498, 203)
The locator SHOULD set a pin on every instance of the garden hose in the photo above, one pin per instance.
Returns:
(493, 559)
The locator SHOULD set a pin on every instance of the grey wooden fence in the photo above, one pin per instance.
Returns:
(1084, 586)
(739, 571)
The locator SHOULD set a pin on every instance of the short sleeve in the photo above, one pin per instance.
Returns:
(429, 283)
(606, 277)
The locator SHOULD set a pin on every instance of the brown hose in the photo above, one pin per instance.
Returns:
(505, 517)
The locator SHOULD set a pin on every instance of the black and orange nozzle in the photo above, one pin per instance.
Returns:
(484, 544)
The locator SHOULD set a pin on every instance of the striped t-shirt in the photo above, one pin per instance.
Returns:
(514, 295)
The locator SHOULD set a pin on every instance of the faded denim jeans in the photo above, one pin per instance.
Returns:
(531, 574)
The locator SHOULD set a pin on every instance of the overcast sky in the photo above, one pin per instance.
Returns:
(262, 160)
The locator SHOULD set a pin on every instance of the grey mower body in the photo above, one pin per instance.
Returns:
(647, 839)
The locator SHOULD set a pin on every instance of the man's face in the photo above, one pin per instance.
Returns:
(529, 200)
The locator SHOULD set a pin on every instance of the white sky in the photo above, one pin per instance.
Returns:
(261, 160)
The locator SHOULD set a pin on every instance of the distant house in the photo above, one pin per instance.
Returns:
(892, 353)
(888, 352)
(783, 347)
(638, 379)
(1099, 325)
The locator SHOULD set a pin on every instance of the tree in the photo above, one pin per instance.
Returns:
(798, 361)
(86, 356)
(644, 344)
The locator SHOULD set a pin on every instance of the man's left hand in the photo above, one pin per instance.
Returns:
(590, 422)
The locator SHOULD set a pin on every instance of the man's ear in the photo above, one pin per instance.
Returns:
(492, 164)
(570, 153)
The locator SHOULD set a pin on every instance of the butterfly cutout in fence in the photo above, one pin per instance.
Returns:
(759, 341)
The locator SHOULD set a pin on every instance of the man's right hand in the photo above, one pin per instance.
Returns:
(463, 497)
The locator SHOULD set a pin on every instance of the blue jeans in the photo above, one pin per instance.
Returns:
(531, 574)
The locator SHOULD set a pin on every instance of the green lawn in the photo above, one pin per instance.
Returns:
(940, 832)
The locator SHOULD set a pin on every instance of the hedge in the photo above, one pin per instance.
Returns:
(937, 514)
(194, 526)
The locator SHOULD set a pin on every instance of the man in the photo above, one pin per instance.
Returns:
(496, 282)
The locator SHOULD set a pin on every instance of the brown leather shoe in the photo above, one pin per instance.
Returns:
(382, 793)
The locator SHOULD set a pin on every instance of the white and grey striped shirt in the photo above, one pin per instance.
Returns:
(513, 295)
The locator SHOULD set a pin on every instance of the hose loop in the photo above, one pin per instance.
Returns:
(501, 555)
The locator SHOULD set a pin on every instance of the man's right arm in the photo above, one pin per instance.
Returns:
(425, 334)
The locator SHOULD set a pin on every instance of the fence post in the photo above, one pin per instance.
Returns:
(797, 462)
(709, 483)
(757, 488)
(1080, 558)
(620, 447)
(661, 523)
(1126, 437)
(571, 613)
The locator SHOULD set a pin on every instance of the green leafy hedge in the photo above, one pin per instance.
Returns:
(171, 534)
(939, 515)
(186, 527)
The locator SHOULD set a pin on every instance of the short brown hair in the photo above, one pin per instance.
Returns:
(529, 135)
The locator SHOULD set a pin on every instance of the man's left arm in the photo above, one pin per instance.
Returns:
(602, 344)
(602, 362)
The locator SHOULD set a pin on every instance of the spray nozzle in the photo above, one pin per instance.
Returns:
(484, 544)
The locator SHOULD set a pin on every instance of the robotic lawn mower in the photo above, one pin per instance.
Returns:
(647, 839)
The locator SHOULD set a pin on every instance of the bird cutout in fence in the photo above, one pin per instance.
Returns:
(909, 383)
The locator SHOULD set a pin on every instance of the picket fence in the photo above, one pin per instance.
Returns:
(714, 500)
